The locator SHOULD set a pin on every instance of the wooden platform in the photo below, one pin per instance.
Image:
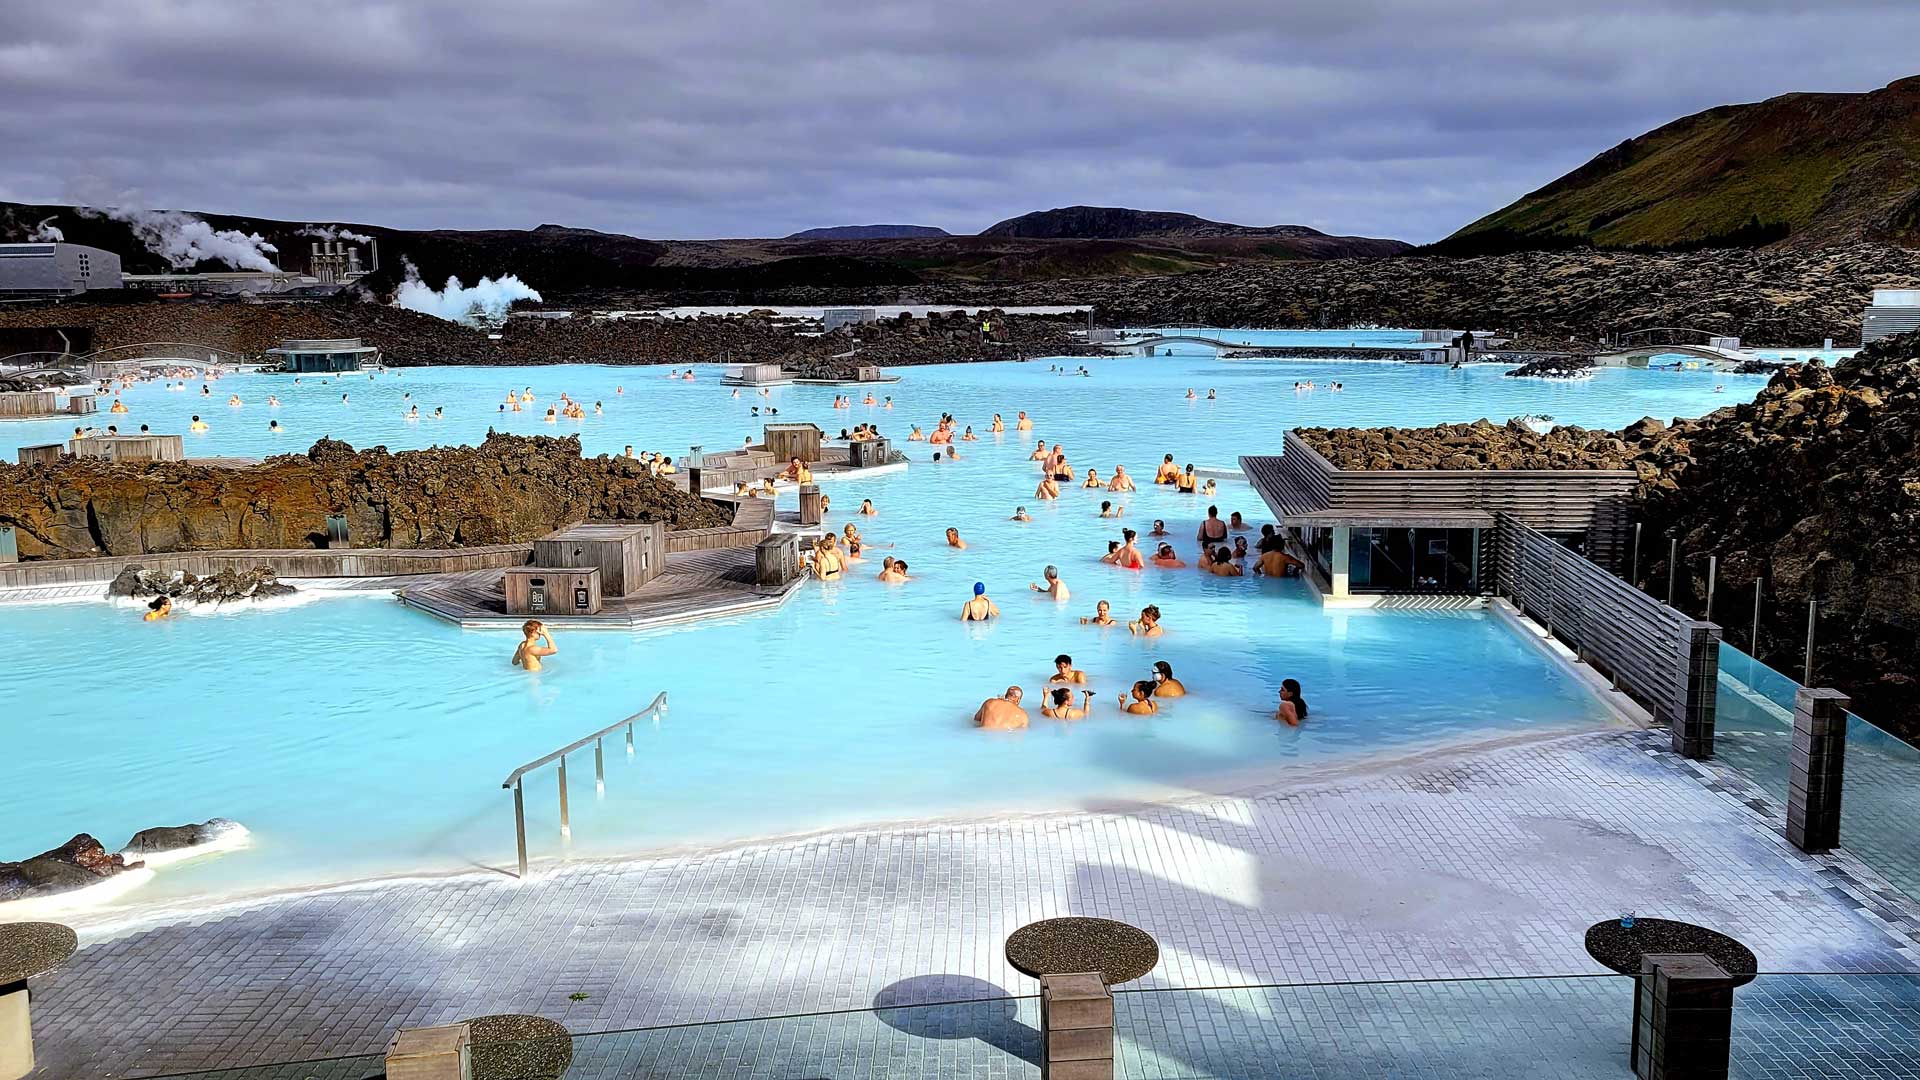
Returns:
(695, 585)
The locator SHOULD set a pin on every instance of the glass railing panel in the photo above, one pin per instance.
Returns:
(1879, 802)
(1788, 1027)
(1753, 721)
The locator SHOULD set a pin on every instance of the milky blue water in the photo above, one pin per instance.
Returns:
(358, 738)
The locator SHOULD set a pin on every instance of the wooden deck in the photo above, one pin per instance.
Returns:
(695, 585)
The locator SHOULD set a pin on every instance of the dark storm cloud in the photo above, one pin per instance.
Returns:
(1382, 117)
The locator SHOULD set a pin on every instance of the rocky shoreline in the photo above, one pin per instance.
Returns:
(509, 489)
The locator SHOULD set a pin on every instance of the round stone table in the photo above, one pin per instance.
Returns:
(1619, 948)
(1120, 953)
(26, 949)
(516, 1046)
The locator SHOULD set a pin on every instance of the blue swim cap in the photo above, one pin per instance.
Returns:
(979, 588)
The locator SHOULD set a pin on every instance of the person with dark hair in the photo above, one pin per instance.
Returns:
(1059, 704)
(1164, 684)
(1213, 530)
(160, 608)
(1270, 540)
(1148, 624)
(1065, 672)
(1129, 557)
(1293, 707)
(1139, 701)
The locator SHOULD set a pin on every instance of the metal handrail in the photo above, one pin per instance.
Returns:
(514, 779)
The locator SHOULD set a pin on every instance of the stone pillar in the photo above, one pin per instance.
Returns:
(1683, 1018)
(1815, 772)
(1694, 713)
(16, 1032)
(1342, 559)
(811, 511)
(1076, 1027)
(432, 1053)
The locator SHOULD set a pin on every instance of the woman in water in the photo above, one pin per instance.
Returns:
(1129, 557)
(1168, 472)
(160, 608)
(1148, 624)
(1187, 483)
(535, 643)
(1293, 707)
(1139, 701)
(1108, 510)
(998, 424)
(1093, 479)
(1164, 684)
(866, 508)
(1059, 704)
(828, 563)
(978, 609)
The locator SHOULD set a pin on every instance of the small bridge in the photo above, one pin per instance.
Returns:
(1145, 346)
(127, 359)
(1717, 358)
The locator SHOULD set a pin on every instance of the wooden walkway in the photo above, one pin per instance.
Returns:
(695, 585)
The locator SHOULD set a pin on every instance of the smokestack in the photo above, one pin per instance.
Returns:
(374, 243)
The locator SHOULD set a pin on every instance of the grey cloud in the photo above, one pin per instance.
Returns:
(1383, 117)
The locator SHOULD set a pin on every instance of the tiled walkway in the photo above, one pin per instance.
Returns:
(1487, 863)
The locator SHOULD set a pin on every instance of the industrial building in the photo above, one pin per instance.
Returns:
(1894, 311)
(56, 269)
(319, 355)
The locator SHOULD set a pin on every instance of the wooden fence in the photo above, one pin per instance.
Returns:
(1659, 656)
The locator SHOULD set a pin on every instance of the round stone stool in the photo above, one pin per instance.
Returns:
(515, 1046)
(26, 949)
(1119, 952)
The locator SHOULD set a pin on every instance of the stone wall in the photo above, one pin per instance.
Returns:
(508, 489)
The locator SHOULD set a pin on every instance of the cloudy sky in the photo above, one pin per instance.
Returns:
(1377, 117)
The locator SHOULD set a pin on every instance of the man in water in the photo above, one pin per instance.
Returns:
(1020, 514)
(979, 609)
(1064, 672)
(1001, 713)
(1023, 424)
(535, 643)
(1121, 481)
(1236, 523)
(895, 572)
(1054, 586)
(954, 541)
(1274, 562)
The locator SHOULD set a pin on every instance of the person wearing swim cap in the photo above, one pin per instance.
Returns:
(978, 609)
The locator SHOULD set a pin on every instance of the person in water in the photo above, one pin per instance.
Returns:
(1148, 624)
(1065, 672)
(998, 424)
(1164, 684)
(1001, 713)
(1129, 557)
(535, 643)
(1040, 452)
(1121, 481)
(197, 425)
(1159, 528)
(895, 572)
(1212, 530)
(979, 609)
(1168, 473)
(1054, 586)
(1108, 510)
(1059, 704)
(1102, 615)
(273, 427)
(1167, 559)
(1236, 523)
(954, 541)
(1274, 562)
(1020, 514)
(161, 607)
(828, 563)
(1048, 490)
(1293, 707)
(1187, 483)
(1139, 700)
(1023, 424)
(866, 508)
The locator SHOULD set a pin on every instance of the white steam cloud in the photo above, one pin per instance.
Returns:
(46, 233)
(335, 232)
(481, 304)
(177, 237)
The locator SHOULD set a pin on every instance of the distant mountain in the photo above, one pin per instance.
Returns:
(1119, 223)
(868, 232)
(1803, 170)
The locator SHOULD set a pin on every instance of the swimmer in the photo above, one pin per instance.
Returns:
(1002, 713)
(439, 412)
(550, 416)
(980, 608)
(895, 571)
(1060, 704)
(1212, 530)
(1120, 482)
(953, 539)
(1021, 423)
(1065, 672)
(1208, 488)
(1168, 472)
(1211, 396)
(1187, 483)
(273, 427)
(413, 413)
(852, 539)
(1235, 523)
(1054, 586)
(535, 643)
(866, 508)
(597, 410)
(1113, 553)
(1293, 707)
(160, 608)
(1048, 490)
(828, 563)
(998, 424)
(1102, 615)
(343, 401)
(1020, 514)
(1168, 559)
(622, 390)
(273, 402)
(915, 435)
(118, 406)
(1164, 684)
(1093, 479)
(1274, 562)
(197, 425)
(889, 403)
(1159, 528)
(234, 400)
(1108, 510)
(969, 436)
(1148, 624)
(1190, 394)
(1139, 701)
(1221, 563)
(1040, 452)
(629, 452)
(797, 472)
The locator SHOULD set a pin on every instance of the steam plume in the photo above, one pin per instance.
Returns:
(46, 232)
(335, 232)
(177, 237)
(486, 302)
